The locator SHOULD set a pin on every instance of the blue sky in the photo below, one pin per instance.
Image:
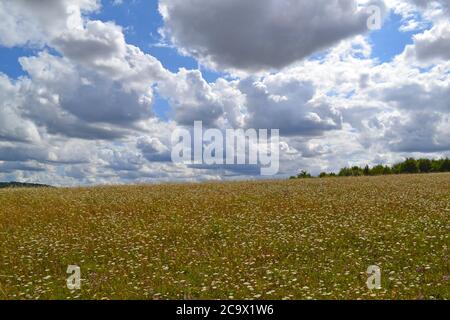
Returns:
(99, 101)
(141, 22)
(390, 41)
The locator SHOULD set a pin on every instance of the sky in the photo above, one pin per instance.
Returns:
(91, 91)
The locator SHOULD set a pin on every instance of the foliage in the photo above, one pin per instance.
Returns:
(409, 166)
(303, 175)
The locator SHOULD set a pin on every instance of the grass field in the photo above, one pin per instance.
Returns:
(311, 239)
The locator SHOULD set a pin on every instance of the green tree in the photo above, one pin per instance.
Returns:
(304, 175)
(377, 170)
(387, 170)
(425, 165)
(357, 171)
(409, 166)
(344, 172)
(366, 170)
(327, 175)
(436, 165)
(397, 168)
(445, 166)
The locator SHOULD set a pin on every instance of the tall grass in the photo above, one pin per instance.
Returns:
(311, 239)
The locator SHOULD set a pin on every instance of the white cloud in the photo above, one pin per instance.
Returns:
(289, 104)
(193, 99)
(37, 22)
(12, 126)
(432, 45)
(84, 115)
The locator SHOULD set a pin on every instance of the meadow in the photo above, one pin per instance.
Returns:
(298, 239)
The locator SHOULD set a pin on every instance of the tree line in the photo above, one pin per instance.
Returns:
(4, 185)
(409, 166)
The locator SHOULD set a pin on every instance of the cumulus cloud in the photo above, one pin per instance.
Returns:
(30, 22)
(89, 99)
(10, 167)
(415, 96)
(194, 99)
(423, 132)
(154, 150)
(289, 105)
(258, 34)
(75, 102)
(99, 89)
(442, 5)
(419, 14)
(12, 125)
(83, 114)
(22, 152)
(101, 47)
(432, 45)
(96, 43)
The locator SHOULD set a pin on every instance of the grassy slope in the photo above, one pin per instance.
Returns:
(269, 240)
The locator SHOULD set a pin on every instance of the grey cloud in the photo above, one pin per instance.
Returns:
(72, 128)
(12, 125)
(444, 4)
(287, 105)
(122, 161)
(79, 103)
(259, 34)
(23, 153)
(230, 170)
(194, 99)
(98, 42)
(101, 88)
(419, 134)
(106, 101)
(9, 167)
(416, 96)
(154, 150)
(431, 45)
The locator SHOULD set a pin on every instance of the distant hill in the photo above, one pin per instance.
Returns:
(22, 185)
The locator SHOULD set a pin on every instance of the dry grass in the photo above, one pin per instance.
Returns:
(310, 239)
